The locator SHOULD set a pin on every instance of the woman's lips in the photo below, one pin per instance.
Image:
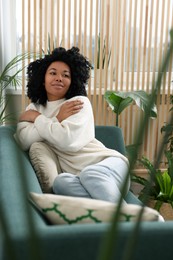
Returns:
(57, 85)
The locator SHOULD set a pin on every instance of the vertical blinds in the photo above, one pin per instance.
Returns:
(125, 40)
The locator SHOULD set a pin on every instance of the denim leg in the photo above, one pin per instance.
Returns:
(101, 181)
(104, 180)
(69, 185)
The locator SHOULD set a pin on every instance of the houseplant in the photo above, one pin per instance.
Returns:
(102, 53)
(101, 61)
(10, 77)
(108, 249)
(157, 189)
(119, 100)
(168, 129)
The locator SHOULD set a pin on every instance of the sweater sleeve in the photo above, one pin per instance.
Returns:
(26, 133)
(71, 134)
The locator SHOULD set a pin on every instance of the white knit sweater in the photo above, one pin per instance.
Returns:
(73, 140)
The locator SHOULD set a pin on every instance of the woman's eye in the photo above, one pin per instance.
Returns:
(52, 73)
(66, 75)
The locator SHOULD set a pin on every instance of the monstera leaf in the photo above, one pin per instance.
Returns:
(119, 100)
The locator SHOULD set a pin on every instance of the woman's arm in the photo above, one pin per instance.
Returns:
(72, 133)
(29, 116)
(27, 133)
(69, 108)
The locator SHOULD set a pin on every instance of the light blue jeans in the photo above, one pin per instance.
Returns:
(101, 181)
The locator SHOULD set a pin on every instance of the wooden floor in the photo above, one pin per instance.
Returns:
(135, 187)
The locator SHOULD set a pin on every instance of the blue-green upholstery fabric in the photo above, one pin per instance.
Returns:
(25, 235)
(111, 137)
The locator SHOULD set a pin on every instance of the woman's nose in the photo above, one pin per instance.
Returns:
(58, 77)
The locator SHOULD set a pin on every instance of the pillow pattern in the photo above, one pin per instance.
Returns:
(45, 164)
(74, 210)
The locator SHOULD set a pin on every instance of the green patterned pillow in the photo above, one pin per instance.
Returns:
(74, 210)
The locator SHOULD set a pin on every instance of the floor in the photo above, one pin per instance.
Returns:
(135, 187)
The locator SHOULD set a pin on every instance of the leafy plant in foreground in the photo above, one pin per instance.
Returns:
(159, 184)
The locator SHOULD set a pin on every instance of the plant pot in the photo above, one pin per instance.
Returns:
(165, 210)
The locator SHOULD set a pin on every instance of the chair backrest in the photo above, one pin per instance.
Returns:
(111, 137)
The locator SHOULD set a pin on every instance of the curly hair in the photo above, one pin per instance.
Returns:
(80, 72)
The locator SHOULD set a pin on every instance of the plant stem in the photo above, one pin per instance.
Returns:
(117, 119)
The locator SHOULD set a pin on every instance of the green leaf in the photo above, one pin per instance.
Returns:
(163, 181)
(149, 166)
(171, 194)
(116, 102)
(9, 77)
(139, 180)
(166, 188)
(119, 100)
(169, 157)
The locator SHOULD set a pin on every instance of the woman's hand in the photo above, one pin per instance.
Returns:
(29, 116)
(69, 108)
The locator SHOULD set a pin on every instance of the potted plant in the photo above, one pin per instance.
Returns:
(101, 63)
(157, 191)
(103, 55)
(9, 77)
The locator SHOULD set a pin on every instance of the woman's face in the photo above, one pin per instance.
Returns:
(57, 80)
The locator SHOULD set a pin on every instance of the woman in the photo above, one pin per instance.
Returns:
(61, 116)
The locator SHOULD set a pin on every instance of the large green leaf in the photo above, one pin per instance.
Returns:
(164, 181)
(116, 102)
(119, 100)
(166, 187)
(169, 156)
